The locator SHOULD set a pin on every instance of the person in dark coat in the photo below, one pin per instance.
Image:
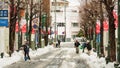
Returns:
(88, 45)
(26, 51)
(59, 42)
(84, 46)
(76, 45)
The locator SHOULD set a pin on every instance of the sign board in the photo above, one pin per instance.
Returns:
(3, 17)
(3, 22)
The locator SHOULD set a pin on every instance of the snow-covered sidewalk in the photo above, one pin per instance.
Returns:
(17, 56)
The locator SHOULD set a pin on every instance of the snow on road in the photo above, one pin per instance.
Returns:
(50, 57)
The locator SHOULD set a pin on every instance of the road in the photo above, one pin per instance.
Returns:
(63, 57)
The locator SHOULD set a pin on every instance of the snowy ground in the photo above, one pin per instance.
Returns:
(17, 56)
(67, 58)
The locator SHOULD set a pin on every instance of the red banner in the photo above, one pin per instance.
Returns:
(105, 25)
(97, 28)
(24, 28)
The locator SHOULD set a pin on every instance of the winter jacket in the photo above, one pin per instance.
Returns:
(89, 46)
(26, 48)
(76, 44)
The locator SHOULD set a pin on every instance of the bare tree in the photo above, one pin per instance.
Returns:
(46, 10)
(13, 15)
(89, 14)
(109, 4)
(34, 10)
(14, 11)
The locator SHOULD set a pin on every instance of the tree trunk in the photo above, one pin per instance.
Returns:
(46, 35)
(94, 36)
(47, 11)
(12, 35)
(12, 27)
(112, 37)
(85, 32)
(30, 25)
(112, 45)
(101, 30)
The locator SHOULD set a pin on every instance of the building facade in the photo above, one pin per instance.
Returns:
(65, 20)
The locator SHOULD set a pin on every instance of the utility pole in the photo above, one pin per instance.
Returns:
(55, 19)
(40, 27)
(65, 18)
(118, 46)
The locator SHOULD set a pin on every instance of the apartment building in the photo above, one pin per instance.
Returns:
(66, 20)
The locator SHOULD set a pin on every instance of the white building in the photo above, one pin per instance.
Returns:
(66, 19)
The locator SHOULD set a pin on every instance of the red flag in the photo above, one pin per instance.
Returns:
(105, 25)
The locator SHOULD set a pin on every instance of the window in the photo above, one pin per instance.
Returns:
(75, 24)
(74, 10)
(56, 11)
(61, 24)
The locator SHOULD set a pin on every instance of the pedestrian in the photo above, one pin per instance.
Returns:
(59, 42)
(88, 45)
(76, 45)
(26, 51)
(84, 46)
(56, 45)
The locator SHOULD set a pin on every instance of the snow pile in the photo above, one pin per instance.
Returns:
(110, 65)
(17, 56)
(96, 62)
